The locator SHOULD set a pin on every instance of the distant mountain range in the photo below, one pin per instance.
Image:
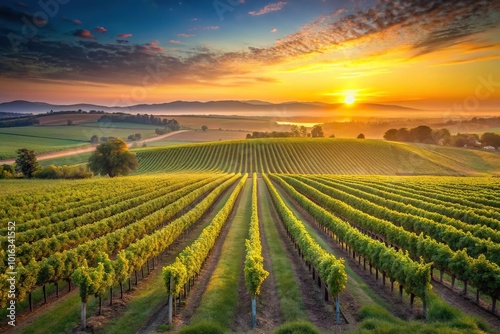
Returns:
(212, 107)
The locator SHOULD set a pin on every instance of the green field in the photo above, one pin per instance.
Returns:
(43, 139)
(12, 142)
(74, 159)
(311, 156)
(118, 125)
(361, 220)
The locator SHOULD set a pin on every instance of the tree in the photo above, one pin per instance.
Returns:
(391, 135)
(490, 139)
(441, 137)
(204, 128)
(113, 158)
(303, 131)
(70, 122)
(94, 139)
(7, 171)
(405, 135)
(26, 162)
(295, 130)
(422, 134)
(332, 136)
(173, 125)
(317, 131)
(361, 136)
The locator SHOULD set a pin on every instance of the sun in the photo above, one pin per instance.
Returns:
(350, 99)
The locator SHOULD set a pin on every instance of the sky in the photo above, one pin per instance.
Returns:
(428, 54)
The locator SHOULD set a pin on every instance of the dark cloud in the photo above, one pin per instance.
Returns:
(12, 15)
(122, 41)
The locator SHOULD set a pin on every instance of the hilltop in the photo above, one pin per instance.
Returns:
(319, 156)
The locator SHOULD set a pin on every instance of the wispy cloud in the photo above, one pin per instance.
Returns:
(185, 35)
(82, 33)
(272, 7)
(274, 30)
(76, 21)
(102, 30)
(174, 41)
(421, 28)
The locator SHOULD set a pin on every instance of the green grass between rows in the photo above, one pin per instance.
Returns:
(219, 301)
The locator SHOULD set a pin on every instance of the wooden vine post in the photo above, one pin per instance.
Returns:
(170, 301)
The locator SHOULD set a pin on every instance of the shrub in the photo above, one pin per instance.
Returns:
(299, 327)
(63, 172)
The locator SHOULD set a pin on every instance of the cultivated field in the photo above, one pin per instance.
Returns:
(283, 220)
(312, 156)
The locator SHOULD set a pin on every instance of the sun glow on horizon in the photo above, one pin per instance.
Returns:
(350, 99)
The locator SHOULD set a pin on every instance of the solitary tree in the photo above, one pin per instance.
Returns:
(113, 158)
(70, 122)
(204, 128)
(361, 136)
(317, 131)
(94, 139)
(26, 162)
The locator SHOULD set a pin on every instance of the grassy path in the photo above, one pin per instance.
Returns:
(60, 317)
(281, 270)
(221, 295)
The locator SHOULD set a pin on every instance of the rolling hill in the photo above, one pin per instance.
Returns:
(318, 156)
(210, 107)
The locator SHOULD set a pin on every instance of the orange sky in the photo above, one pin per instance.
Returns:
(429, 66)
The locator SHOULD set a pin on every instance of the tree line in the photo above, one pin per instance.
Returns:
(19, 121)
(171, 124)
(425, 134)
(295, 131)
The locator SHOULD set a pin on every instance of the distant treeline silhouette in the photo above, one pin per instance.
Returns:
(19, 121)
(172, 124)
(426, 135)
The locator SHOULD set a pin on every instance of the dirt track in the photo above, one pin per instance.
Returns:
(90, 148)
